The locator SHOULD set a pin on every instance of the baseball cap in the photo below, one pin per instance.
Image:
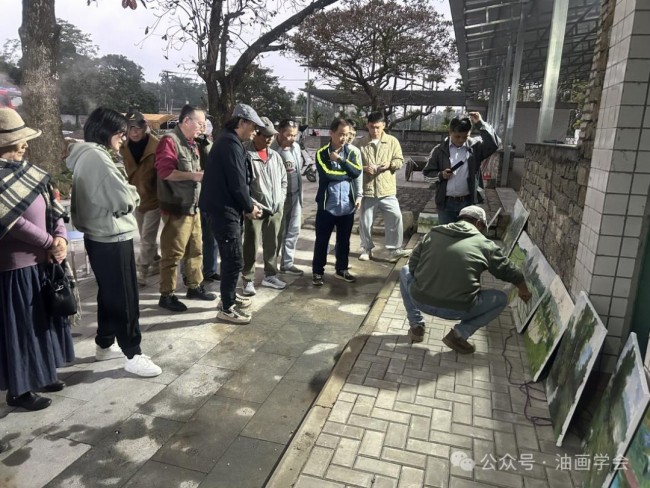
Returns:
(474, 212)
(267, 129)
(246, 112)
(136, 119)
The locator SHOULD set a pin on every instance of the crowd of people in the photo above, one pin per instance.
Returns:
(194, 202)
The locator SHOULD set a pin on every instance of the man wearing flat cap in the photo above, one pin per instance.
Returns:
(139, 155)
(226, 199)
(443, 278)
(269, 190)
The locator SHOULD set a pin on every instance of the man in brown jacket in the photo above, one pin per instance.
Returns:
(139, 155)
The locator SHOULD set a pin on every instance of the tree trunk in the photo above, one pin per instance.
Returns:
(39, 35)
(226, 101)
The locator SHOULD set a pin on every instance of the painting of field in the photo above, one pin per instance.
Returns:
(576, 355)
(516, 226)
(637, 474)
(538, 274)
(522, 249)
(547, 326)
(618, 414)
(426, 221)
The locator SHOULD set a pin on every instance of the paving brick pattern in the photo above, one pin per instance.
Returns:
(423, 416)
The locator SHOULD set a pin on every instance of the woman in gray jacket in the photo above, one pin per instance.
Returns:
(102, 208)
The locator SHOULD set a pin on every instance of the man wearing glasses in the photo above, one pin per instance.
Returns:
(269, 190)
(179, 186)
(227, 200)
(285, 144)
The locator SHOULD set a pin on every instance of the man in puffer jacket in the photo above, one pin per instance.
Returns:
(443, 278)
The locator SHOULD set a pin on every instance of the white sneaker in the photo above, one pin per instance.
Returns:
(142, 365)
(142, 278)
(274, 282)
(365, 255)
(397, 254)
(113, 352)
(240, 301)
(234, 315)
(249, 289)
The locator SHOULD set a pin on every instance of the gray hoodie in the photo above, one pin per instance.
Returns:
(102, 202)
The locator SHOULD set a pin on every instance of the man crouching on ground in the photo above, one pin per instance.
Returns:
(443, 278)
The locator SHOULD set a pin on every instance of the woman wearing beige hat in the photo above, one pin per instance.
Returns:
(33, 343)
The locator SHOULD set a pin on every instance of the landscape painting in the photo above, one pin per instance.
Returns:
(637, 474)
(522, 250)
(618, 415)
(547, 325)
(426, 221)
(538, 274)
(516, 226)
(575, 358)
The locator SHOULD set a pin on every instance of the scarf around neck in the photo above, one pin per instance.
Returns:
(20, 184)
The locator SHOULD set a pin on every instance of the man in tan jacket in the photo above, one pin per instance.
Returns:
(382, 157)
(139, 154)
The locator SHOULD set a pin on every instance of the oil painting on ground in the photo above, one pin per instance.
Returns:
(573, 363)
(511, 234)
(618, 415)
(547, 326)
(538, 274)
(637, 474)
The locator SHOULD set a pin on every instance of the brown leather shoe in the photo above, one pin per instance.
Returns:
(416, 333)
(458, 344)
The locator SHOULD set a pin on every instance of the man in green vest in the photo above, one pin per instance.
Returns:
(179, 184)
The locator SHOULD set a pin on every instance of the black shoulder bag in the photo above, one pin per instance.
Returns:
(58, 293)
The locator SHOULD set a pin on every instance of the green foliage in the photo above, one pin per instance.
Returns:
(85, 81)
(375, 44)
(262, 90)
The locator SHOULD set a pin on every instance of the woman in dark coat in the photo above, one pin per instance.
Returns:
(32, 234)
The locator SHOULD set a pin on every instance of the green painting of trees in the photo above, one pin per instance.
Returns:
(574, 360)
(516, 226)
(542, 332)
(637, 474)
(613, 421)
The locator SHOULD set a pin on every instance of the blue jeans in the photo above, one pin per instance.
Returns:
(487, 306)
(449, 214)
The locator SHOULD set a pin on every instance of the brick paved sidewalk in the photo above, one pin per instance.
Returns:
(421, 415)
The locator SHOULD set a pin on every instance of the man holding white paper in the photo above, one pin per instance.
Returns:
(456, 162)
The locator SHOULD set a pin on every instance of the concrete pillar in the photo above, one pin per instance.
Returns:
(514, 94)
(608, 255)
(552, 71)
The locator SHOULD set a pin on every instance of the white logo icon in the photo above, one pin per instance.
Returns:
(462, 461)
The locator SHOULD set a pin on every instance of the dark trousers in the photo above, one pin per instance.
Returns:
(325, 224)
(453, 206)
(118, 309)
(229, 242)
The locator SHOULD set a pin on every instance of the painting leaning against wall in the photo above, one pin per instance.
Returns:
(514, 229)
(618, 414)
(538, 274)
(637, 472)
(573, 363)
(547, 326)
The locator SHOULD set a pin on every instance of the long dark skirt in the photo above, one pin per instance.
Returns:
(32, 344)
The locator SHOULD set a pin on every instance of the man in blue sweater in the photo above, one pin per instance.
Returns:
(337, 167)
